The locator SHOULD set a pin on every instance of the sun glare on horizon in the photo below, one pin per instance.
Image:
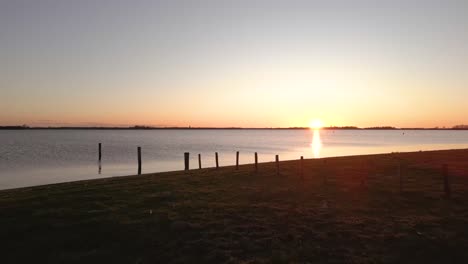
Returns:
(316, 124)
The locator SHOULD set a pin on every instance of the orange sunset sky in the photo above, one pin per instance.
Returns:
(233, 63)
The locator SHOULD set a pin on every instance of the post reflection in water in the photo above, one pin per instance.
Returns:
(316, 143)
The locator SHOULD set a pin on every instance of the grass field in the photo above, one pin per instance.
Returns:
(344, 210)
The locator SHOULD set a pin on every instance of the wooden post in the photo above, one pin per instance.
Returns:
(237, 160)
(100, 148)
(448, 191)
(216, 158)
(186, 160)
(401, 179)
(199, 161)
(302, 167)
(325, 171)
(139, 160)
(277, 165)
(256, 161)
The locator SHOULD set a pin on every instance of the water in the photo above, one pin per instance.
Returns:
(34, 157)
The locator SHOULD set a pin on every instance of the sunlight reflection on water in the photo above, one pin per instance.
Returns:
(316, 143)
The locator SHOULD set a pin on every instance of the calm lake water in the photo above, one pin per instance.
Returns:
(34, 157)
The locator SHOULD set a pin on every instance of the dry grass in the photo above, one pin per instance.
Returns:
(345, 210)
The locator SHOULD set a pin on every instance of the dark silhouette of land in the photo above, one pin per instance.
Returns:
(143, 127)
(344, 210)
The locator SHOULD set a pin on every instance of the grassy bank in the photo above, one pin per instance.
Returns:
(347, 209)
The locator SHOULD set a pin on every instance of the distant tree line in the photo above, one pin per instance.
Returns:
(381, 127)
(142, 127)
(460, 127)
(15, 127)
(457, 127)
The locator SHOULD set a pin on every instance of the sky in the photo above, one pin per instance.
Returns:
(243, 63)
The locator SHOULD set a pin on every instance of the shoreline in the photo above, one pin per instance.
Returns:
(228, 166)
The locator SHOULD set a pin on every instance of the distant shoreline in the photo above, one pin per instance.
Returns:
(214, 128)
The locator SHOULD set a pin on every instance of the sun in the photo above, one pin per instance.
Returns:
(316, 124)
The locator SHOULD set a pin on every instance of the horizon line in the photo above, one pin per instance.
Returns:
(144, 127)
